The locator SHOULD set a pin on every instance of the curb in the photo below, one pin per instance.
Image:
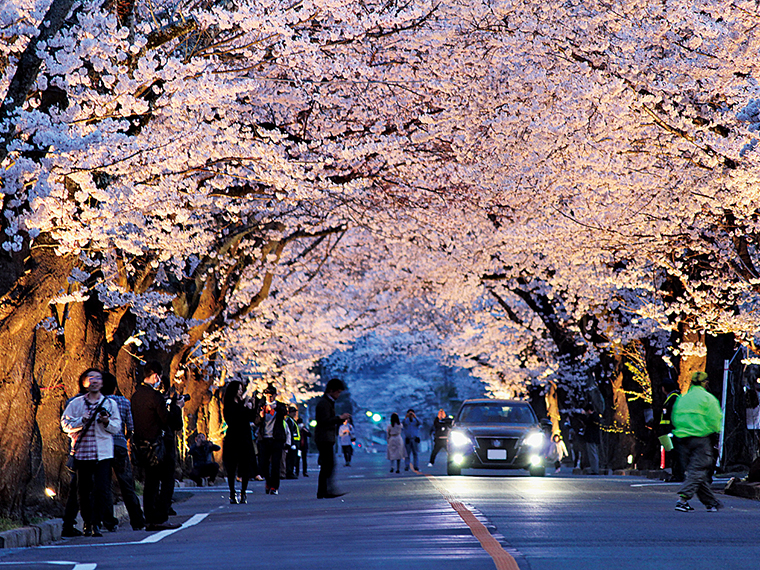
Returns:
(743, 489)
(34, 535)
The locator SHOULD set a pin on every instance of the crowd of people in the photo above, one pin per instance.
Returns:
(265, 440)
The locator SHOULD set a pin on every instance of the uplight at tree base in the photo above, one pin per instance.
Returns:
(50, 492)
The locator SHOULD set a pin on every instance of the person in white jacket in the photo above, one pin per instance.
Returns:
(91, 420)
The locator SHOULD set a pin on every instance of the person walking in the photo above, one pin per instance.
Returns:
(696, 419)
(71, 509)
(411, 425)
(91, 420)
(272, 438)
(440, 433)
(154, 417)
(325, 437)
(396, 450)
(121, 464)
(237, 450)
(345, 440)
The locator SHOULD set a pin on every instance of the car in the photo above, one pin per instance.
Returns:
(496, 434)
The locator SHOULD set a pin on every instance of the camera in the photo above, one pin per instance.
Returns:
(104, 414)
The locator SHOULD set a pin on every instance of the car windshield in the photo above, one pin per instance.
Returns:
(495, 414)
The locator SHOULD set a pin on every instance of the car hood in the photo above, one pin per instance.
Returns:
(491, 430)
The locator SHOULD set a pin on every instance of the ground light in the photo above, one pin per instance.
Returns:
(50, 492)
(376, 418)
(313, 423)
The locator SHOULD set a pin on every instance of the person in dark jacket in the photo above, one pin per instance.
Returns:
(271, 423)
(154, 418)
(440, 433)
(293, 453)
(237, 452)
(665, 430)
(202, 453)
(325, 435)
(305, 435)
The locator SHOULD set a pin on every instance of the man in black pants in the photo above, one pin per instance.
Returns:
(440, 433)
(153, 419)
(122, 466)
(325, 437)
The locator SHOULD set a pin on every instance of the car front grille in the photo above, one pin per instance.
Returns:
(507, 443)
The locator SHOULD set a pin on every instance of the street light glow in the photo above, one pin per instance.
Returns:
(376, 417)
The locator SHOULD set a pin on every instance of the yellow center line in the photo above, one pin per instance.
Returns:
(502, 559)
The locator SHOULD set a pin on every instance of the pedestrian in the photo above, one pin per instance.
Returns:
(294, 450)
(396, 450)
(71, 510)
(155, 417)
(591, 437)
(202, 453)
(91, 420)
(696, 419)
(665, 434)
(411, 425)
(272, 438)
(557, 451)
(237, 450)
(121, 464)
(304, 451)
(440, 433)
(325, 437)
(345, 440)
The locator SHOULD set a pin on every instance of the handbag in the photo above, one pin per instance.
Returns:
(149, 453)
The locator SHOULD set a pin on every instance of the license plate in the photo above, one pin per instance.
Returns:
(497, 454)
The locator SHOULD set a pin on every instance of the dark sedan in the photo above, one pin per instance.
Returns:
(496, 434)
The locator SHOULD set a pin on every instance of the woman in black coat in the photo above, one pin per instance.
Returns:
(238, 453)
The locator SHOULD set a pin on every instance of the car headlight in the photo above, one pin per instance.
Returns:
(458, 439)
(534, 440)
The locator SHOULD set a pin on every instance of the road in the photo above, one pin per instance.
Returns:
(481, 520)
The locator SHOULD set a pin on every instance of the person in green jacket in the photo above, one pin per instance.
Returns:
(696, 416)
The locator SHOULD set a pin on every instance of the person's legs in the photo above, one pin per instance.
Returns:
(408, 458)
(102, 500)
(415, 446)
(85, 487)
(166, 492)
(123, 470)
(230, 467)
(326, 468)
(689, 461)
(593, 457)
(438, 445)
(150, 494)
(274, 481)
(72, 507)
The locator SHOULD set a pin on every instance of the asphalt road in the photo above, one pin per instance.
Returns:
(481, 520)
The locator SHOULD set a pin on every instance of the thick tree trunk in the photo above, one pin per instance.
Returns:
(21, 309)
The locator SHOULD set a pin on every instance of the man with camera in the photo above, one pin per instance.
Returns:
(91, 420)
(411, 427)
(156, 420)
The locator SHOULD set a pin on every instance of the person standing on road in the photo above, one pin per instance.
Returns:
(696, 419)
(440, 433)
(122, 466)
(305, 435)
(411, 425)
(665, 429)
(591, 437)
(395, 451)
(345, 440)
(272, 438)
(237, 451)
(325, 437)
(294, 451)
(91, 420)
(154, 418)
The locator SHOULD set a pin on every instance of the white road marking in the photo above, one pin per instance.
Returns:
(192, 521)
(74, 565)
(153, 538)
